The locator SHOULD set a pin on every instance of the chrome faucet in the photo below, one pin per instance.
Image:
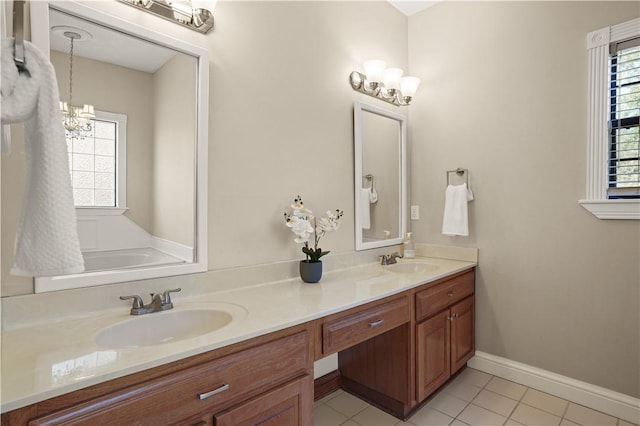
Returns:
(159, 302)
(389, 259)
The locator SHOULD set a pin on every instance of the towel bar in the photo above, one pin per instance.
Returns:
(459, 171)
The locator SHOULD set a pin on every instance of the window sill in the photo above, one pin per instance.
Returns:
(100, 211)
(613, 209)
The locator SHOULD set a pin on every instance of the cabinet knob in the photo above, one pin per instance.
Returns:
(450, 294)
(224, 387)
(376, 323)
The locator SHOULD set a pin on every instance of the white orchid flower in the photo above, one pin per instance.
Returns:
(301, 227)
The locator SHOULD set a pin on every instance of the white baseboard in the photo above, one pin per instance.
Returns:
(607, 401)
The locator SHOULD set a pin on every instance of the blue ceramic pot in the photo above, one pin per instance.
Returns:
(310, 272)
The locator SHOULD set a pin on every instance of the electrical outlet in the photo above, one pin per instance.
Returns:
(415, 212)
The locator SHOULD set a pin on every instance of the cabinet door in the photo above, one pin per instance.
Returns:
(287, 405)
(462, 333)
(433, 356)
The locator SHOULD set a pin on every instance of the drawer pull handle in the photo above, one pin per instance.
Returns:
(221, 389)
(376, 323)
(450, 294)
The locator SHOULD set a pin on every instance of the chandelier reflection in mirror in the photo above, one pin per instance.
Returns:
(385, 83)
(76, 120)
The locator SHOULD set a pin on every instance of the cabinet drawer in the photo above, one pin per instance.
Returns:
(212, 386)
(434, 299)
(346, 331)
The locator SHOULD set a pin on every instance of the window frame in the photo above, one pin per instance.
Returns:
(596, 200)
(121, 169)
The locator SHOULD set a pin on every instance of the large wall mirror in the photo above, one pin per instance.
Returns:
(380, 176)
(139, 175)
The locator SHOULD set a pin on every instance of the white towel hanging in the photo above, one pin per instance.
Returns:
(47, 240)
(365, 208)
(456, 217)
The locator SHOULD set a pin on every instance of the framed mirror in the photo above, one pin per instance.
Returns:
(380, 177)
(139, 169)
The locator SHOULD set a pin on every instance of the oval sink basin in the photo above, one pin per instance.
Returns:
(411, 267)
(163, 327)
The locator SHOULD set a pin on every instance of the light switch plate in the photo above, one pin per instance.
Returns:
(415, 212)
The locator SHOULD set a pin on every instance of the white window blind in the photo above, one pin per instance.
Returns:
(624, 120)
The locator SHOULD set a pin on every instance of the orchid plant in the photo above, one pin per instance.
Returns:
(300, 221)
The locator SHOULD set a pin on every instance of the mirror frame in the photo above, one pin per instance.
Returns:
(358, 109)
(40, 38)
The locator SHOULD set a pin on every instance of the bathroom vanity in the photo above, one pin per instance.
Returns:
(394, 349)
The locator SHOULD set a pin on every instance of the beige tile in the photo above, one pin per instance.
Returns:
(506, 388)
(512, 422)
(330, 396)
(457, 422)
(347, 404)
(545, 402)
(623, 423)
(407, 423)
(429, 417)
(533, 417)
(324, 415)
(350, 423)
(461, 390)
(474, 377)
(447, 404)
(566, 422)
(588, 417)
(495, 402)
(478, 416)
(371, 416)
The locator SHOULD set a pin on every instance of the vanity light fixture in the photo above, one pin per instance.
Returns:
(194, 14)
(76, 120)
(384, 83)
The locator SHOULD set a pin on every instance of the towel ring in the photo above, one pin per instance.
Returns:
(369, 177)
(459, 171)
(18, 37)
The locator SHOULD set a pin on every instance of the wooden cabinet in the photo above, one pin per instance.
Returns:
(445, 341)
(393, 353)
(398, 369)
(348, 329)
(287, 405)
(269, 383)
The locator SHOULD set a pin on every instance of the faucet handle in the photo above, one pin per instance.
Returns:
(137, 301)
(166, 296)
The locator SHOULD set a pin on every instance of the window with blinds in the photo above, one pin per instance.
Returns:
(624, 120)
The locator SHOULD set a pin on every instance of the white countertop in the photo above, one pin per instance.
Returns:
(41, 361)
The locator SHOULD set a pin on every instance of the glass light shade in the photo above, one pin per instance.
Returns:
(391, 78)
(409, 86)
(64, 107)
(373, 69)
(204, 4)
(87, 111)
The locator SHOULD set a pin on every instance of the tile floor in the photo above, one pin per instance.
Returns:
(473, 398)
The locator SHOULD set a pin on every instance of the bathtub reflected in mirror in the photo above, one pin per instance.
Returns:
(153, 89)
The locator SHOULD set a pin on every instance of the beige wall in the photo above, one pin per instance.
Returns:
(125, 91)
(174, 111)
(504, 94)
(280, 119)
(557, 288)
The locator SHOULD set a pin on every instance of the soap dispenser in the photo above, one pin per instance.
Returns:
(409, 247)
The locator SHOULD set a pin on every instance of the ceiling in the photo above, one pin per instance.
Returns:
(106, 45)
(409, 7)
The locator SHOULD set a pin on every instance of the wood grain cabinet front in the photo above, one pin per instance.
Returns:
(446, 340)
(348, 329)
(195, 395)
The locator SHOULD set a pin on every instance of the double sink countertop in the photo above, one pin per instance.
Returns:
(41, 360)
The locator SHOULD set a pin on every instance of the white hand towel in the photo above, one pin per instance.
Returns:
(455, 220)
(47, 240)
(365, 208)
